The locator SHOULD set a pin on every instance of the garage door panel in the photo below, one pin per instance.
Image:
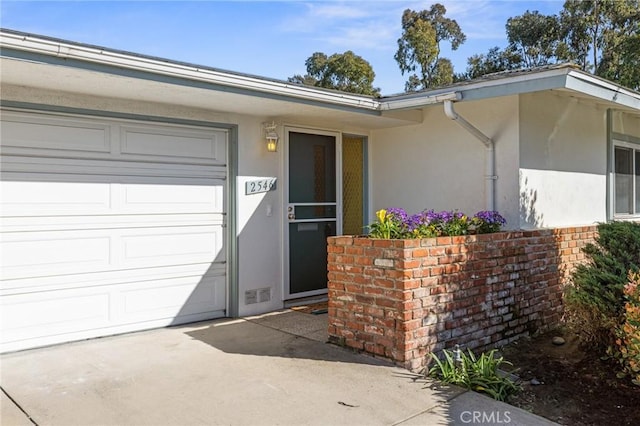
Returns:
(29, 131)
(14, 224)
(36, 254)
(173, 298)
(27, 317)
(46, 198)
(51, 317)
(125, 278)
(153, 247)
(15, 168)
(108, 226)
(73, 137)
(174, 198)
(54, 253)
(194, 145)
(91, 198)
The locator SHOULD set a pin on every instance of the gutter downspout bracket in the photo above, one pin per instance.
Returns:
(490, 165)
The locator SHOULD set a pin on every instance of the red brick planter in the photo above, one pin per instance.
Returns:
(401, 299)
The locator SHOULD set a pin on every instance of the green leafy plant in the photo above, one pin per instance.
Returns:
(594, 302)
(389, 225)
(479, 374)
(626, 351)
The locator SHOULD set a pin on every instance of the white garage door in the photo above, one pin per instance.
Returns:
(108, 226)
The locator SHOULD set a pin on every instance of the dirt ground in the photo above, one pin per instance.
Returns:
(576, 386)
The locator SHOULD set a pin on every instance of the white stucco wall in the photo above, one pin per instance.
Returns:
(438, 165)
(562, 161)
(260, 251)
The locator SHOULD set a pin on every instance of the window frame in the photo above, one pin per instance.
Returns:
(625, 142)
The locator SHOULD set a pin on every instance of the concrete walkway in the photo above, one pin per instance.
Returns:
(274, 369)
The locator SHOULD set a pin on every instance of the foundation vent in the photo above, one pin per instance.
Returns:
(257, 295)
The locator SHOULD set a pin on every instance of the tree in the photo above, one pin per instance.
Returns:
(495, 60)
(419, 47)
(346, 71)
(600, 36)
(622, 64)
(535, 37)
(607, 33)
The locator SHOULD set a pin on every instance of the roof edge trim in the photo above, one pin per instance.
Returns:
(603, 89)
(61, 49)
(414, 102)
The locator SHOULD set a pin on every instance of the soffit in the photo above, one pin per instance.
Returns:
(191, 94)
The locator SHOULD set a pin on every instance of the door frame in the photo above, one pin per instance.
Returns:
(285, 221)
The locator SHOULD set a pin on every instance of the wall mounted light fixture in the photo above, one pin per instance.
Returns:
(271, 136)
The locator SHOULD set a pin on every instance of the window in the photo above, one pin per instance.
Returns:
(626, 180)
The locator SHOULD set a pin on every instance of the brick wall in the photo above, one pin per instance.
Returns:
(402, 299)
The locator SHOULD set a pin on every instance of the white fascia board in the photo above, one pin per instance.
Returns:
(139, 63)
(603, 89)
(419, 101)
(483, 89)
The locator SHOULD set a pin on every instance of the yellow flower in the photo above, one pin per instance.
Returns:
(381, 214)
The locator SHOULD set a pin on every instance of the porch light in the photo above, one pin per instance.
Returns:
(271, 136)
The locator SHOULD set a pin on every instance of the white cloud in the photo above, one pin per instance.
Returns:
(370, 36)
(322, 16)
(348, 25)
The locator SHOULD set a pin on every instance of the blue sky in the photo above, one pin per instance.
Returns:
(265, 38)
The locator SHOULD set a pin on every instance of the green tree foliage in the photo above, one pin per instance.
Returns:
(595, 301)
(603, 36)
(592, 27)
(346, 71)
(419, 47)
(495, 60)
(600, 36)
(614, 33)
(534, 40)
(622, 65)
(534, 37)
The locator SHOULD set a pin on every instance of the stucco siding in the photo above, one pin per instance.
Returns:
(438, 165)
(562, 161)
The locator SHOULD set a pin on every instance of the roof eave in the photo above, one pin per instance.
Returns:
(603, 89)
(92, 54)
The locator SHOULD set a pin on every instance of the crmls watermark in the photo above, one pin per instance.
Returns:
(485, 417)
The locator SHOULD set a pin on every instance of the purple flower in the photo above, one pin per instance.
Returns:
(490, 217)
(429, 216)
(397, 214)
(413, 222)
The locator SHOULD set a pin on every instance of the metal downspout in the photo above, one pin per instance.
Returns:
(490, 165)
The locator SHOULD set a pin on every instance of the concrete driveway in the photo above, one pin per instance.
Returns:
(274, 369)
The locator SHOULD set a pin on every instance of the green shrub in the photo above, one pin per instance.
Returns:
(478, 374)
(594, 303)
(627, 348)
